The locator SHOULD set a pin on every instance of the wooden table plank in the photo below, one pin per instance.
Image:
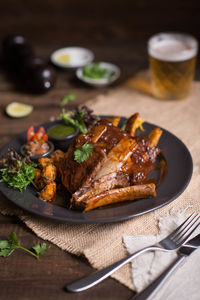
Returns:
(23, 277)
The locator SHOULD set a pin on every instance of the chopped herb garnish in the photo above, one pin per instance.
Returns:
(18, 172)
(8, 246)
(70, 119)
(67, 98)
(123, 126)
(96, 71)
(82, 118)
(83, 153)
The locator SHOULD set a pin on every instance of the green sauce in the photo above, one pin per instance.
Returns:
(60, 131)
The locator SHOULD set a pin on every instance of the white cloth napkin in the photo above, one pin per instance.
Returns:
(148, 266)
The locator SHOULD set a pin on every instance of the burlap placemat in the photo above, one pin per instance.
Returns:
(102, 243)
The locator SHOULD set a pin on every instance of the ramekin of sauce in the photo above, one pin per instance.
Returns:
(36, 151)
(62, 135)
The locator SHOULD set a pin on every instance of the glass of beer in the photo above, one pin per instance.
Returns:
(172, 64)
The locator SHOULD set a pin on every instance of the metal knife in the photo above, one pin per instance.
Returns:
(183, 252)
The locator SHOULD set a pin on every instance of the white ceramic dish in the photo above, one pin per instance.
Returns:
(75, 57)
(103, 81)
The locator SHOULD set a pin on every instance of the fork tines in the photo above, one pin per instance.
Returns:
(183, 233)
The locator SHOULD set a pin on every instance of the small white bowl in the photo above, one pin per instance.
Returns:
(102, 81)
(78, 57)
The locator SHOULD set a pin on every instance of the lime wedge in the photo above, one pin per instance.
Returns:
(18, 110)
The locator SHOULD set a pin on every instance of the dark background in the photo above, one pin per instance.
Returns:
(117, 31)
(69, 21)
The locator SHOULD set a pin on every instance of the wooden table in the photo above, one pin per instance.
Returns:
(116, 32)
(21, 276)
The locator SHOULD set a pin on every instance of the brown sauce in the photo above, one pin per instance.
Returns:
(137, 167)
(111, 136)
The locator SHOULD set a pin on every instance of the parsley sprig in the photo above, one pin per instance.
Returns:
(82, 153)
(7, 247)
(20, 179)
(67, 98)
(81, 117)
(75, 119)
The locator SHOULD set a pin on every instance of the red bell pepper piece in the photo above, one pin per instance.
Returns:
(41, 130)
(30, 133)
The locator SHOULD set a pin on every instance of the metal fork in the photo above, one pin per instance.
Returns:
(171, 243)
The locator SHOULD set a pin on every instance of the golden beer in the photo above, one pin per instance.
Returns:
(172, 59)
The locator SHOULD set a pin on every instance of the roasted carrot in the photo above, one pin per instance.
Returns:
(48, 173)
(37, 174)
(44, 161)
(57, 156)
(38, 181)
(48, 191)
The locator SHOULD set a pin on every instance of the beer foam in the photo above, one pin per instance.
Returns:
(172, 47)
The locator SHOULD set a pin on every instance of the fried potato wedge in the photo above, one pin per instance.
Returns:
(133, 123)
(119, 195)
(154, 136)
(114, 120)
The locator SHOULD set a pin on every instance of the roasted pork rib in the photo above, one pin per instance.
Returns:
(116, 170)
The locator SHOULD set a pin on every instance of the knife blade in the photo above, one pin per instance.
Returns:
(183, 252)
(193, 243)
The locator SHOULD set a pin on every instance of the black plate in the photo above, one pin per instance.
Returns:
(179, 172)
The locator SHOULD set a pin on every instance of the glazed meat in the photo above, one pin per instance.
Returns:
(117, 168)
(104, 136)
